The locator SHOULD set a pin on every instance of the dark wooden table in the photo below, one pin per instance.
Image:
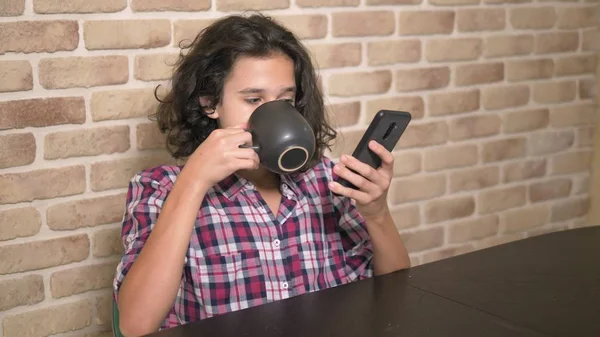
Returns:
(542, 286)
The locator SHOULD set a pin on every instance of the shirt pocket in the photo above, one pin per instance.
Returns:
(225, 283)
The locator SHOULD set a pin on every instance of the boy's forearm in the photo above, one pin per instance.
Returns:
(389, 252)
(150, 287)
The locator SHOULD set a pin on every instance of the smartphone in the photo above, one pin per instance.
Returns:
(386, 128)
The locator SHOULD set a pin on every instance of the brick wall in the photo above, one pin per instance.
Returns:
(502, 95)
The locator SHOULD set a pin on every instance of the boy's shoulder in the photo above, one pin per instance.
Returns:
(164, 175)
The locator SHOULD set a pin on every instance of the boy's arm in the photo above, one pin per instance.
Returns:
(150, 272)
(389, 252)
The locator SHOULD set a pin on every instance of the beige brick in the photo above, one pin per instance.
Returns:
(360, 83)
(581, 185)
(502, 97)
(453, 49)
(21, 291)
(16, 76)
(39, 36)
(425, 22)
(42, 184)
(82, 279)
(479, 73)
(17, 149)
(591, 39)
(447, 209)
(123, 104)
(117, 173)
(406, 163)
(523, 70)
(424, 134)
(585, 136)
(547, 229)
(453, 156)
(86, 213)
(534, 168)
(394, 51)
(346, 142)
(103, 317)
(394, 2)
(508, 45)
(306, 26)
(250, 5)
(185, 31)
(577, 17)
(169, 5)
(539, 17)
(149, 137)
(494, 2)
(369, 23)
(526, 218)
(17, 258)
(557, 42)
(474, 179)
(571, 162)
(83, 72)
(550, 189)
(501, 199)
(498, 240)
(412, 104)
(406, 216)
(19, 222)
(423, 239)
(337, 55)
(454, 102)
(78, 6)
(340, 115)
(480, 19)
(86, 142)
(526, 120)
(542, 143)
(154, 67)
(504, 149)
(422, 78)
(12, 8)
(576, 65)
(107, 242)
(474, 127)
(417, 188)
(50, 320)
(41, 112)
(445, 253)
(587, 88)
(126, 34)
(327, 3)
(570, 209)
(468, 230)
(453, 2)
(555, 91)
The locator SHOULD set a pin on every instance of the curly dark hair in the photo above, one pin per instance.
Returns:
(204, 65)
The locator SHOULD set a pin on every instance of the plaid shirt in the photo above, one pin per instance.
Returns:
(241, 254)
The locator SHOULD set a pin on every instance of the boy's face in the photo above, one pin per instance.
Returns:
(252, 82)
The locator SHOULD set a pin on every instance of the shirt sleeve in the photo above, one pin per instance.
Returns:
(145, 197)
(356, 242)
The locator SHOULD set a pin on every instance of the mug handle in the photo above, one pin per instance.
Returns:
(253, 147)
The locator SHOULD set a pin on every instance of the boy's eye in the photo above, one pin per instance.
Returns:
(252, 100)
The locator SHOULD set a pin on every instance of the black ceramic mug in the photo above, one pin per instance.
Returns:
(281, 136)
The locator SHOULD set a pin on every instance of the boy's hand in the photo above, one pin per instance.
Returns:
(372, 184)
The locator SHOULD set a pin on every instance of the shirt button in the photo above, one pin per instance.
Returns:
(284, 285)
(276, 243)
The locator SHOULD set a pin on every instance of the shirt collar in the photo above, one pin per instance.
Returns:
(234, 184)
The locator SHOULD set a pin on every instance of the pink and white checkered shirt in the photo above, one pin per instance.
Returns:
(241, 254)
